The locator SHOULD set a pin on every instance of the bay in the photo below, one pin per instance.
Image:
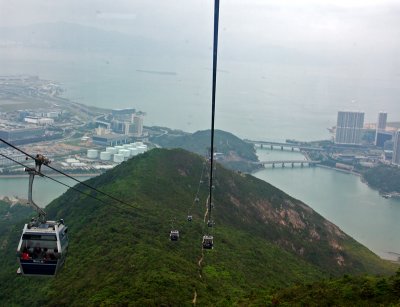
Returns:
(44, 189)
(341, 198)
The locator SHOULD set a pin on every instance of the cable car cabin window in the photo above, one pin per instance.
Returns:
(39, 246)
(63, 238)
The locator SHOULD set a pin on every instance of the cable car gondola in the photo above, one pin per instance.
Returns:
(42, 248)
(174, 235)
(208, 242)
(189, 218)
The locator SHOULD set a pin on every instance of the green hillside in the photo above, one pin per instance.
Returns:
(384, 178)
(345, 291)
(121, 255)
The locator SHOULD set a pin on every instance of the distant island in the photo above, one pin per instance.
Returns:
(156, 72)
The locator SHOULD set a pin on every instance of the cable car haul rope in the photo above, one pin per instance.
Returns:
(208, 239)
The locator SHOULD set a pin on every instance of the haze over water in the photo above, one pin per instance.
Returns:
(254, 100)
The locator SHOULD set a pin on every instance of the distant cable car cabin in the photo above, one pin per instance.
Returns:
(208, 242)
(174, 235)
(189, 218)
(42, 248)
(210, 223)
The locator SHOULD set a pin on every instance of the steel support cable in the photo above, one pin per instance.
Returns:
(73, 188)
(64, 184)
(214, 83)
(62, 173)
(197, 199)
(201, 179)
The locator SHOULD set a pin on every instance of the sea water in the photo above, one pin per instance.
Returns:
(341, 198)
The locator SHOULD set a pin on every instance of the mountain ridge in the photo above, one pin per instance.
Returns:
(121, 254)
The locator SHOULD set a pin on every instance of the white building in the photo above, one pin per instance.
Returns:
(31, 120)
(349, 127)
(42, 121)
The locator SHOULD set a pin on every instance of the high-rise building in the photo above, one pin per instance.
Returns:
(382, 137)
(382, 119)
(396, 148)
(349, 127)
(380, 125)
(138, 124)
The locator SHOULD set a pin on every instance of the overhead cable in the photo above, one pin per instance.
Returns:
(214, 84)
(64, 184)
(62, 173)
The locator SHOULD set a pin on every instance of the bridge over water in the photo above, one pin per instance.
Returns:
(282, 163)
(282, 146)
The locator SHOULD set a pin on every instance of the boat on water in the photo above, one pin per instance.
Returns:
(391, 195)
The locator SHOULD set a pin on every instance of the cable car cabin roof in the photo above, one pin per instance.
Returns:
(47, 227)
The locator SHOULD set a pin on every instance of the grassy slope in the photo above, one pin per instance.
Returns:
(121, 256)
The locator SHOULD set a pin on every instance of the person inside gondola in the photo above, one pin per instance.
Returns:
(51, 256)
(48, 254)
(25, 254)
(45, 254)
(56, 254)
(37, 252)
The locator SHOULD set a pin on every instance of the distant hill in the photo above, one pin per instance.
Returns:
(73, 37)
(236, 154)
(122, 255)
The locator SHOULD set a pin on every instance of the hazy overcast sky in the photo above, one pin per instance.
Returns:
(327, 23)
(348, 39)
(356, 30)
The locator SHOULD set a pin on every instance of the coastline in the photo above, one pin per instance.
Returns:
(339, 170)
